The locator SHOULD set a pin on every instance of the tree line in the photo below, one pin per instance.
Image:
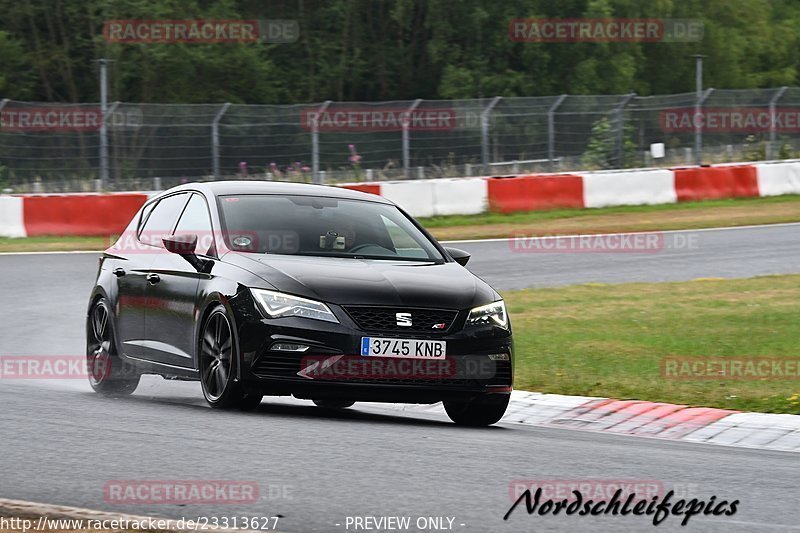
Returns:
(370, 50)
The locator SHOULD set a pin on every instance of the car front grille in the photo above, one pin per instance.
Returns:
(430, 321)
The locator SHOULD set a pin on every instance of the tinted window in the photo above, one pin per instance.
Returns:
(310, 225)
(162, 219)
(195, 220)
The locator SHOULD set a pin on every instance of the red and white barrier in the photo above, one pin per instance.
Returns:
(636, 187)
(67, 214)
(104, 214)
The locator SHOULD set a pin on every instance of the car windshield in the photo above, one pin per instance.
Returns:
(325, 227)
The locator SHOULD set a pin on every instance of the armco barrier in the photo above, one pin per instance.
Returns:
(709, 183)
(104, 214)
(775, 179)
(78, 214)
(638, 187)
(535, 192)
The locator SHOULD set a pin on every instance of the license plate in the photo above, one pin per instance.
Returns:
(402, 348)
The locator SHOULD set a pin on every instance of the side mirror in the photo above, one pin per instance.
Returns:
(184, 246)
(461, 257)
(180, 244)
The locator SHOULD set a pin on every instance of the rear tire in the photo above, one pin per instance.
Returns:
(218, 360)
(108, 374)
(478, 411)
(333, 404)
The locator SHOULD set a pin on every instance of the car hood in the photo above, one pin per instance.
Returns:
(347, 281)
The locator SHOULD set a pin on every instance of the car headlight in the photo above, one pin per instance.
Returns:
(491, 314)
(277, 304)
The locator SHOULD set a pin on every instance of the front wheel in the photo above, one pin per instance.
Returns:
(478, 411)
(218, 360)
(107, 373)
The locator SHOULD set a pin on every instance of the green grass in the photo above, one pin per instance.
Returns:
(555, 214)
(608, 340)
(53, 244)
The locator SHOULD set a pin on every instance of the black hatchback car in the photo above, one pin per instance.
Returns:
(323, 293)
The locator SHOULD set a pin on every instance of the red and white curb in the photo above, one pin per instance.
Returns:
(648, 419)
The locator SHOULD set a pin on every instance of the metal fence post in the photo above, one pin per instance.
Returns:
(316, 177)
(485, 133)
(407, 140)
(772, 131)
(551, 131)
(103, 126)
(215, 140)
(698, 129)
(619, 117)
(106, 120)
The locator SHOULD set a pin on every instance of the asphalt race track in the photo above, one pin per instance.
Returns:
(60, 443)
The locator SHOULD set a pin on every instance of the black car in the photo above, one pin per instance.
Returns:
(323, 293)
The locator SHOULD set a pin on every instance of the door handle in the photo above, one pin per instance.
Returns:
(119, 272)
(152, 279)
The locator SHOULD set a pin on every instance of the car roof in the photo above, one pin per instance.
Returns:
(222, 188)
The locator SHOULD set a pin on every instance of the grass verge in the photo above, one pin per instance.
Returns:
(53, 244)
(609, 340)
(692, 215)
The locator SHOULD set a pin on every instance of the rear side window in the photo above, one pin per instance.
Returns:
(162, 219)
(195, 220)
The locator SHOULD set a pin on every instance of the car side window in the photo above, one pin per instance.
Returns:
(162, 219)
(195, 220)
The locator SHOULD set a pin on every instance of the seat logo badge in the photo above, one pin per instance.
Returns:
(403, 319)
(438, 326)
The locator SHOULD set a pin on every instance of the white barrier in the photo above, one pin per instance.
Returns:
(460, 196)
(12, 223)
(416, 197)
(775, 179)
(639, 187)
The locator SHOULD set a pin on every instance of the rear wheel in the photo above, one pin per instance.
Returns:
(107, 373)
(333, 404)
(218, 360)
(478, 411)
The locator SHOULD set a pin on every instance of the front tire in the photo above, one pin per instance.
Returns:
(478, 411)
(219, 357)
(108, 375)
